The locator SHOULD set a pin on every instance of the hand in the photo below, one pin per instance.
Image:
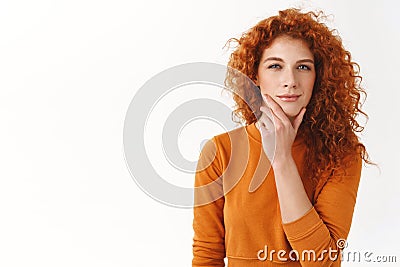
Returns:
(277, 131)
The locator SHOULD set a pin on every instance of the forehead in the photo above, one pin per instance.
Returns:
(285, 46)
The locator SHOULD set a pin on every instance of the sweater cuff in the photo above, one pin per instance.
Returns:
(303, 226)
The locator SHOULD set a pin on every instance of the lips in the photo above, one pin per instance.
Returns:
(288, 97)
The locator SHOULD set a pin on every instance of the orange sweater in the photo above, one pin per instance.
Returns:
(246, 227)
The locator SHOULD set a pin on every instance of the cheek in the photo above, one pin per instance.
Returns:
(309, 84)
(267, 84)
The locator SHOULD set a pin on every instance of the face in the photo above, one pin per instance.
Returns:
(287, 73)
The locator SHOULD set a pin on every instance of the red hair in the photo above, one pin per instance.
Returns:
(329, 124)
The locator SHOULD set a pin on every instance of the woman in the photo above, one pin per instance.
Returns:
(285, 185)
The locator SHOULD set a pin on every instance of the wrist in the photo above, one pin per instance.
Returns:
(282, 162)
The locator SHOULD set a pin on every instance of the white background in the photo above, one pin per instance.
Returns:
(68, 71)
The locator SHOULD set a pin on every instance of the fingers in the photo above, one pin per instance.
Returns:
(276, 109)
(276, 117)
(266, 119)
(299, 118)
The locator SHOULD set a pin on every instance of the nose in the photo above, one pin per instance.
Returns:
(289, 79)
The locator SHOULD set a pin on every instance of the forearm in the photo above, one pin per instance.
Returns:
(295, 204)
(318, 227)
(293, 199)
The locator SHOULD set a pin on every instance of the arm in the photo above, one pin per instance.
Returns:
(308, 227)
(321, 226)
(293, 199)
(278, 134)
(208, 221)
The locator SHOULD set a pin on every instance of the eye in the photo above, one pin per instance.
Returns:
(304, 67)
(274, 66)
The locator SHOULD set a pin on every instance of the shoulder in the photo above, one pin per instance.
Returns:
(346, 176)
(351, 165)
(226, 139)
(221, 146)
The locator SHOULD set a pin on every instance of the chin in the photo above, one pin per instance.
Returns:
(292, 112)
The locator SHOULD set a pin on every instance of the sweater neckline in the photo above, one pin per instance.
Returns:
(253, 132)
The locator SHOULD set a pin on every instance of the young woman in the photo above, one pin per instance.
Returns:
(285, 185)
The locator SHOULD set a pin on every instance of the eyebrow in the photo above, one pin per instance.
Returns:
(281, 60)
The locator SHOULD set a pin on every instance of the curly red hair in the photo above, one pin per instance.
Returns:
(329, 124)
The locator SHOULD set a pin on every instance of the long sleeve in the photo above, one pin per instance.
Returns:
(208, 221)
(328, 220)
